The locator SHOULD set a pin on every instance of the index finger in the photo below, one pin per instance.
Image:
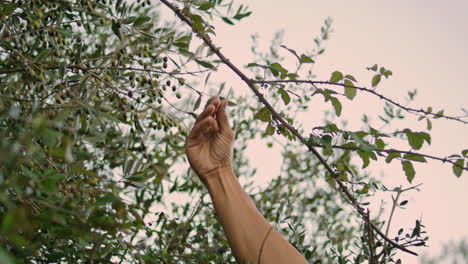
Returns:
(210, 108)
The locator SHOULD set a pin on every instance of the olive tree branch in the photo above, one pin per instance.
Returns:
(419, 112)
(82, 67)
(388, 151)
(206, 39)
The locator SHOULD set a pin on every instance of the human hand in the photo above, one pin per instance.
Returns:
(209, 143)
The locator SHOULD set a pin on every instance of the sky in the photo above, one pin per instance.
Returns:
(422, 42)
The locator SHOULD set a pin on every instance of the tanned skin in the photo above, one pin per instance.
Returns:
(209, 150)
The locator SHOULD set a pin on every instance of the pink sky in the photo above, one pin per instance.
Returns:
(423, 43)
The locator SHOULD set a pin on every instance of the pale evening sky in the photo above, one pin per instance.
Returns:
(422, 42)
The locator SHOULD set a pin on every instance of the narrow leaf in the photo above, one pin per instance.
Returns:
(227, 20)
(337, 105)
(409, 170)
(285, 96)
(429, 124)
(205, 64)
(197, 103)
(410, 156)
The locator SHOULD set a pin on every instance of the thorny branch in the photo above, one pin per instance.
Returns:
(419, 112)
(278, 117)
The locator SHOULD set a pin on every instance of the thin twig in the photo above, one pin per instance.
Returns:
(278, 117)
(370, 239)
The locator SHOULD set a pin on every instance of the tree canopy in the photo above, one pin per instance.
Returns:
(96, 98)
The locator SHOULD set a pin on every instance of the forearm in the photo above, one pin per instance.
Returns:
(244, 226)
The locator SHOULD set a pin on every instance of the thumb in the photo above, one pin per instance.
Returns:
(221, 117)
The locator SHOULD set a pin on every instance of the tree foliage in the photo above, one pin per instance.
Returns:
(96, 98)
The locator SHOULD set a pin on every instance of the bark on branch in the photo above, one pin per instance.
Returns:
(206, 39)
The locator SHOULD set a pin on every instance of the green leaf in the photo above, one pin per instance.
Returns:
(292, 76)
(240, 16)
(350, 77)
(387, 73)
(129, 20)
(106, 198)
(415, 157)
(409, 170)
(379, 143)
(391, 156)
(417, 229)
(376, 80)
(205, 64)
(285, 96)
(116, 29)
(350, 92)
(270, 130)
(140, 20)
(337, 105)
(205, 5)
(305, 59)
(291, 50)
(416, 139)
(8, 8)
(364, 190)
(326, 140)
(276, 68)
(253, 64)
(365, 158)
(6, 258)
(429, 124)
(263, 115)
(336, 77)
(227, 20)
(439, 114)
(464, 152)
(458, 167)
(44, 53)
(197, 103)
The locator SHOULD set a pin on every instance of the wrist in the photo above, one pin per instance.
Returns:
(214, 175)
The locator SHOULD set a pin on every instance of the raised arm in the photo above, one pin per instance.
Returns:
(251, 237)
